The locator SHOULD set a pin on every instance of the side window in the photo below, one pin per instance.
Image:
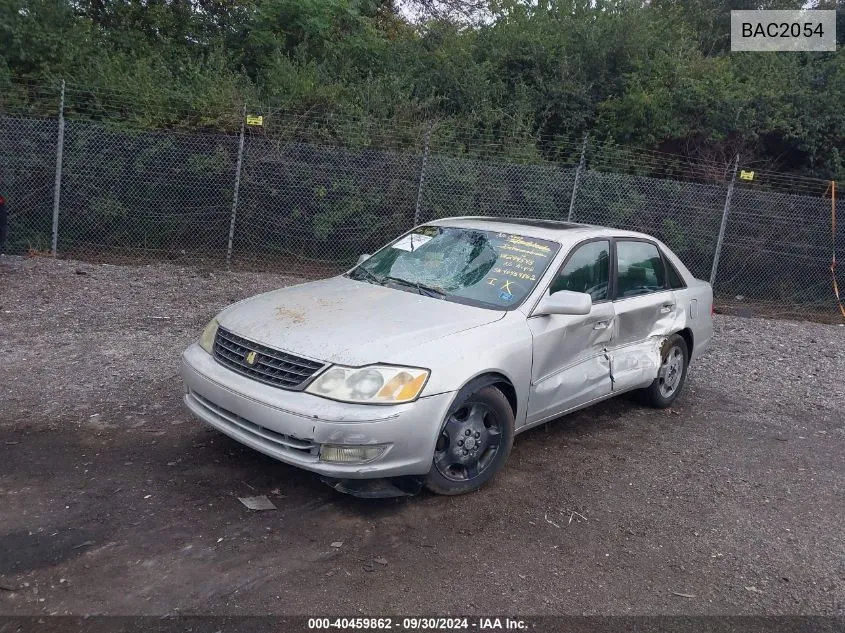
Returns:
(674, 277)
(639, 269)
(588, 270)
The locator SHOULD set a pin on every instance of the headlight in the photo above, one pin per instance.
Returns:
(208, 334)
(376, 384)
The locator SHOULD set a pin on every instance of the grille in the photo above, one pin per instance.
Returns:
(270, 366)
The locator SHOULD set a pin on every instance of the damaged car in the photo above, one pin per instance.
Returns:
(419, 366)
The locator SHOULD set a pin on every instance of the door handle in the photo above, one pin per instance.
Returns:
(667, 308)
(601, 325)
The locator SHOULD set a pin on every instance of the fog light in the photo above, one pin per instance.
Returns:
(350, 454)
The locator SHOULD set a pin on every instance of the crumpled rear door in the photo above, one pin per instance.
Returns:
(641, 325)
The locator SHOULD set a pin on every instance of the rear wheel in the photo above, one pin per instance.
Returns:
(674, 359)
(474, 443)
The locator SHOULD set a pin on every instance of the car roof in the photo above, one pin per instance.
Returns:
(559, 231)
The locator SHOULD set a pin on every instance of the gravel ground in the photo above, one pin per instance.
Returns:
(114, 500)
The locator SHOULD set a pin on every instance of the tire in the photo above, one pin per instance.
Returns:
(474, 443)
(674, 361)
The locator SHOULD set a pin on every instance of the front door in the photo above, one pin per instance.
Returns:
(645, 309)
(570, 366)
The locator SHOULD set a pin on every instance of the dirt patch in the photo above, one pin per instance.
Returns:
(114, 500)
(289, 314)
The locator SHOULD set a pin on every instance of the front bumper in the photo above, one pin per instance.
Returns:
(292, 425)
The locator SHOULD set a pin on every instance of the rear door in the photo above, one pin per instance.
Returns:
(645, 310)
(570, 364)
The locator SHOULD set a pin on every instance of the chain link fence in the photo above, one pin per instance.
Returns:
(144, 193)
(313, 209)
(307, 196)
(27, 180)
(684, 215)
(777, 251)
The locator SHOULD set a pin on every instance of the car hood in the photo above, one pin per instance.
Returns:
(341, 320)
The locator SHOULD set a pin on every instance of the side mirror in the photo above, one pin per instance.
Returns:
(362, 258)
(565, 302)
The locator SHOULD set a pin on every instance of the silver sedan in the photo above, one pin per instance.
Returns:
(420, 365)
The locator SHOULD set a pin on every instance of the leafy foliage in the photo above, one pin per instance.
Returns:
(656, 75)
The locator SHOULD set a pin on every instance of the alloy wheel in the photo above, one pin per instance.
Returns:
(468, 444)
(671, 370)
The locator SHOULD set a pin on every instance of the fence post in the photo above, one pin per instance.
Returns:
(578, 171)
(422, 174)
(237, 188)
(57, 183)
(725, 212)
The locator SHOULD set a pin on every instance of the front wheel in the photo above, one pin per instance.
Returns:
(473, 444)
(674, 359)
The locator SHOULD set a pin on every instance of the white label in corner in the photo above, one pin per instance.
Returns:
(411, 242)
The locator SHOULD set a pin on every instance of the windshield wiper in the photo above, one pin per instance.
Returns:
(428, 291)
(371, 276)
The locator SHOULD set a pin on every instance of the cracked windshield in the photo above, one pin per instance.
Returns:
(482, 268)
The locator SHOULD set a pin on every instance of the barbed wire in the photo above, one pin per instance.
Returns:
(173, 113)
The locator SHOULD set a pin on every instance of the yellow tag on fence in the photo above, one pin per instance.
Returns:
(746, 175)
(254, 119)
